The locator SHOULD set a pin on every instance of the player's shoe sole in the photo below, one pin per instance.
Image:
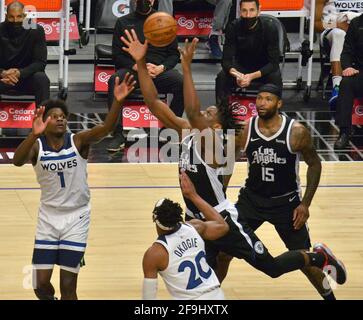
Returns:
(341, 272)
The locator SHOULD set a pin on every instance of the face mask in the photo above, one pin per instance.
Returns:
(14, 28)
(143, 6)
(248, 23)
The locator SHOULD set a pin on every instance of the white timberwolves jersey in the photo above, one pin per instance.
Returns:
(188, 276)
(340, 10)
(62, 176)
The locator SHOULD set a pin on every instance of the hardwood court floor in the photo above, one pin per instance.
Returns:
(123, 196)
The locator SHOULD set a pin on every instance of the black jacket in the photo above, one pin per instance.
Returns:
(168, 56)
(26, 52)
(254, 50)
(352, 54)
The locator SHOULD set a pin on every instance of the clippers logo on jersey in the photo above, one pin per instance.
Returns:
(265, 156)
(259, 247)
(185, 160)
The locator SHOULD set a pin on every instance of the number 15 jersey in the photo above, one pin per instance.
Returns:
(273, 169)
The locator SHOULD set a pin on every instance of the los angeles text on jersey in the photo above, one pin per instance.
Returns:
(264, 156)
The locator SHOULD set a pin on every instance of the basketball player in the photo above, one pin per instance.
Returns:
(179, 251)
(273, 144)
(208, 177)
(59, 159)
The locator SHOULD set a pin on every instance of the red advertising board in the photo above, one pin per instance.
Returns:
(357, 112)
(16, 114)
(51, 28)
(244, 107)
(194, 24)
(102, 75)
(135, 114)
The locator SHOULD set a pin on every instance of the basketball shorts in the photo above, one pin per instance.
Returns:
(240, 242)
(61, 238)
(256, 210)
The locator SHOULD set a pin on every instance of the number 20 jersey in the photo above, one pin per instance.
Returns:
(188, 275)
(273, 169)
(62, 176)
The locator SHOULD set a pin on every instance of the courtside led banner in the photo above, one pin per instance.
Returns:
(137, 115)
(102, 75)
(357, 112)
(194, 24)
(51, 28)
(244, 107)
(16, 114)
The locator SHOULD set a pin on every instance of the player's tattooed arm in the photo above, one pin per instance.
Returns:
(301, 142)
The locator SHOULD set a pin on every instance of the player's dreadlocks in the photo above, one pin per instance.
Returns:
(167, 214)
(227, 118)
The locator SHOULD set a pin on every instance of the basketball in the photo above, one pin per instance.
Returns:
(160, 29)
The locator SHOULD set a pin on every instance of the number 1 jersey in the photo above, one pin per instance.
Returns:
(62, 175)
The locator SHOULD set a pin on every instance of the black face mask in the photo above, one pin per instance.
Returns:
(143, 6)
(248, 23)
(14, 28)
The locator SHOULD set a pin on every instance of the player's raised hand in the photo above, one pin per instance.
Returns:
(39, 125)
(187, 53)
(123, 89)
(134, 47)
(187, 185)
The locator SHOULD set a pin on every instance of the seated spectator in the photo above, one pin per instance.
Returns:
(160, 63)
(23, 56)
(352, 83)
(333, 22)
(221, 15)
(251, 52)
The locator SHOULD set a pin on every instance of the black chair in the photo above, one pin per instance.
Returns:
(325, 78)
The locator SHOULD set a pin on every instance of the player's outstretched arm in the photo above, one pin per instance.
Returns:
(28, 149)
(155, 259)
(121, 91)
(191, 99)
(215, 227)
(300, 141)
(160, 109)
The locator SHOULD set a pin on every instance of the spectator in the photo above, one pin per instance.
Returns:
(251, 52)
(23, 56)
(352, 83)
(332, 20)
(160, 63)
(220, 19)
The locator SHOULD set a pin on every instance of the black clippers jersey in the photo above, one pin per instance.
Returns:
(208, 181)
(273, 169)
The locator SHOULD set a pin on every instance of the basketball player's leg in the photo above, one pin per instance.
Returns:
(241, 242)
(45, 256)
(43, 288)
(297, 240)
(68, 284)
(73, 242)
(252, 218)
